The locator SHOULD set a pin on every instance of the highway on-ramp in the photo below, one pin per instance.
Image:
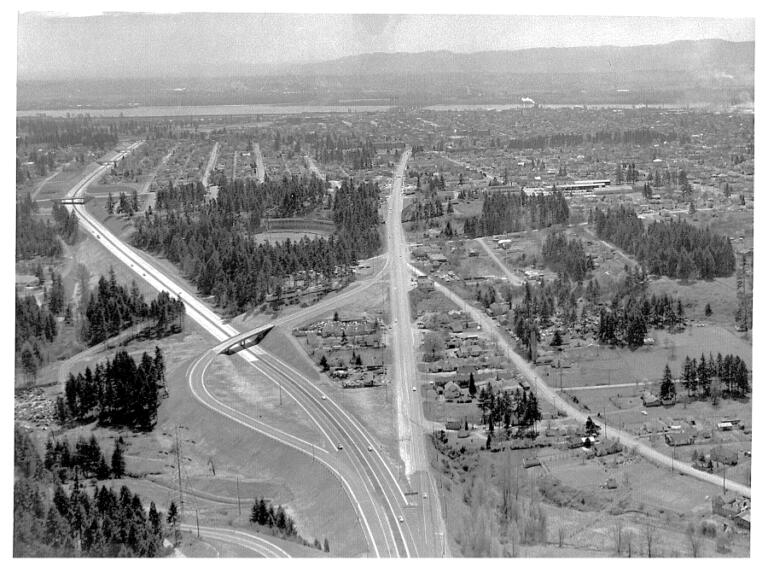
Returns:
(248, 540)
(366, 477)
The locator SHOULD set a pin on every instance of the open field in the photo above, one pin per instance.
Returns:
(602, 365)
(274, 236)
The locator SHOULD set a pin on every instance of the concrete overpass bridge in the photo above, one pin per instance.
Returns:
(243, 340)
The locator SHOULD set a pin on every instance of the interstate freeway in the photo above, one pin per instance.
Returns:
(366, 476)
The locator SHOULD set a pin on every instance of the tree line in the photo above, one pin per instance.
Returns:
(85, 459)
(118, 393)
(51, 520)
(215, 248)
(112, 307)
(631, 311)
(500, 408)
(565, 255)
(731, 370)
(34, 236)
(514, 212)
(635, 136)
(675, 249)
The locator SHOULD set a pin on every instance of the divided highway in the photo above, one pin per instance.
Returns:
(362, 470)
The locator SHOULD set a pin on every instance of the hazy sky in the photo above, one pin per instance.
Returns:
(151, 45)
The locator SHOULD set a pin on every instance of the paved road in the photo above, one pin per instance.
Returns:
(512, 278)
(313, 167)
(260, 171)
(544, 391)
(609, 245)
(211, 163)
(250, 541)
(367, 478)
(407, 387)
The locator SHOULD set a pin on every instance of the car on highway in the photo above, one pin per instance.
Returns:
(414, 388)
(323, 397)
(370, 448)
(339, 447)
(400, 519)
(424, 496)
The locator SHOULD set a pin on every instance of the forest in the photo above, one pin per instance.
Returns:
(215, 248)
(675, 249)
(34, 237)
(713, 377)
(515, 212)
(112, 307)
(118, 393)
(51, 520)
(564, 255)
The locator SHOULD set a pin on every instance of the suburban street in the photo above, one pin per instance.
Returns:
(512, 278)
(260, 171)
(546, 392)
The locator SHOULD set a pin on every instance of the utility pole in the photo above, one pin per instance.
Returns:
(239, 512)
(178, 470)
(197, 521)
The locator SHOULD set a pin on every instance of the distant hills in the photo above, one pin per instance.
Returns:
(705, 55)
(683, 72)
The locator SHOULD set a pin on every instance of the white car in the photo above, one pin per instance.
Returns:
(424, 496)
(414, 388)
(370, 448)
(323, 397)
(400, 519)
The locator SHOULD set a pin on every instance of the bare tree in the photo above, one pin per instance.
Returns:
(694, 540)
(650, 535)
(560, 535)
(618, 532)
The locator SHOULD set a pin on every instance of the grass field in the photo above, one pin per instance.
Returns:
(282, 236)
(598, 365)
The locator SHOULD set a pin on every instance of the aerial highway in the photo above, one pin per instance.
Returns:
(373, 488)
(548, 393)
(407, 387)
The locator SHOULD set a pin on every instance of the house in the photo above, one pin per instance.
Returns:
(678, 437)
(729, 505)
(724, 456)
(437, 258)
(451, 391)
(743, 519)
(424, 282)
(649, 400)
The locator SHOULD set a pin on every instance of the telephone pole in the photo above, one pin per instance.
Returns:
(239, 511)
(178, 470)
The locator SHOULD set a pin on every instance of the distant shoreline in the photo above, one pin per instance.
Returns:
(254, 109)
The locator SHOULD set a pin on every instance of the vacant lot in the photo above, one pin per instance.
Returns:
(599, 365)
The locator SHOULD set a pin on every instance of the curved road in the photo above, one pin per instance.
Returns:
(258, 545)
(376, 474)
